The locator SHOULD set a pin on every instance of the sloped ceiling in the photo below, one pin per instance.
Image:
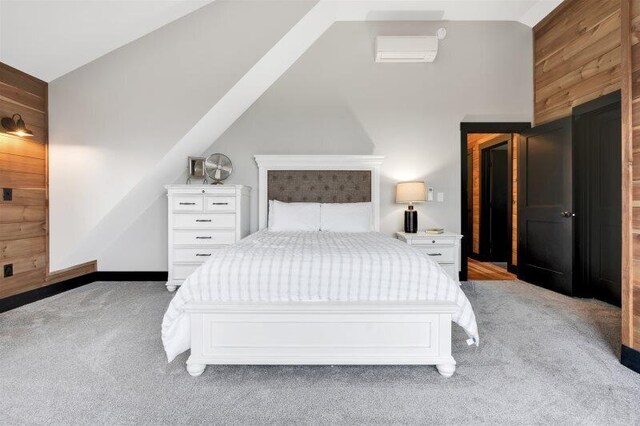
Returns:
(49, 38)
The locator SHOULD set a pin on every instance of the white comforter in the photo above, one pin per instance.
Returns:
(313, 266)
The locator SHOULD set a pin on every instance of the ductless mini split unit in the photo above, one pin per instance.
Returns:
(408, 48)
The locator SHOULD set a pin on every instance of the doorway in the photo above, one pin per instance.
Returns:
(488, 198)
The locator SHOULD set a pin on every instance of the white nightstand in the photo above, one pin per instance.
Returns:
(443, 248)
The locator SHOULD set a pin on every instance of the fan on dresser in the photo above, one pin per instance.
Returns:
(218, 167)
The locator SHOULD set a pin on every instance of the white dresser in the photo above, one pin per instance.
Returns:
(443, 248)
(202, 219)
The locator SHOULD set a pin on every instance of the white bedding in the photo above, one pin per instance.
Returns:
(313, 266)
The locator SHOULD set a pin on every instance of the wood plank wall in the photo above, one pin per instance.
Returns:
(585, 49)
(631, 132)
(576, 56)
(474, 140)
(23, 167)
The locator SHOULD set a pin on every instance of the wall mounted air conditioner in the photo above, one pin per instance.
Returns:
(408, 48)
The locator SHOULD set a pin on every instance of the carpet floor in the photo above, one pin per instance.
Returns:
(93, 355)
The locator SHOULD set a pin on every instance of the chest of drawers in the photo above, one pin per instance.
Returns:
(203, 219)
(443, 248)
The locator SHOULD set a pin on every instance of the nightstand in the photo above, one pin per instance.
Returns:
(443, 248)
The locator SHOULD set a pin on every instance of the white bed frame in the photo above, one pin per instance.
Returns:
(321, 333)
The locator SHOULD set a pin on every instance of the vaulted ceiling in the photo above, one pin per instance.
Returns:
(49, 38)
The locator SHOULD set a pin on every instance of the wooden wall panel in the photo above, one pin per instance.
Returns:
(23, 168)
(576, 56)
(631, 185)
(474, 141)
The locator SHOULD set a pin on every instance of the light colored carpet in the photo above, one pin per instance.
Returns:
(93, 356)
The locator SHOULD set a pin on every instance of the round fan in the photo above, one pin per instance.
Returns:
(218, 167)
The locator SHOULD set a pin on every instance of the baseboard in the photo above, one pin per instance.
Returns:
(630, 358)
(31, 296)
(131, 276)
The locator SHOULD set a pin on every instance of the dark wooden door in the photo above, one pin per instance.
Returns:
(545, 203)
(597, 145)
(494, 236)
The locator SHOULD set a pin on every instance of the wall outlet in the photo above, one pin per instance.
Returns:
(7, 194)
(8, 270)
(440, 197)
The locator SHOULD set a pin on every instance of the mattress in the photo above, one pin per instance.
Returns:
(314, 267)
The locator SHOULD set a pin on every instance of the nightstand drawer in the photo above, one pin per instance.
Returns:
(452, 270)
(440, 254)
(187, 204)
(204, 237)
(199, 255)
(429, 240)
(222, 220)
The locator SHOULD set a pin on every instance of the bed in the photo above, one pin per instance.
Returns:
(317, 297)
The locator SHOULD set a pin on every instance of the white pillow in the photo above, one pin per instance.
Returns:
(346, 217)
(294, 216)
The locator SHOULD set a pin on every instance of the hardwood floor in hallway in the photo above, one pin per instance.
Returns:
(482, 271)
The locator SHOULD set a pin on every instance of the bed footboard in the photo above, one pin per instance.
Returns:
(400, 333)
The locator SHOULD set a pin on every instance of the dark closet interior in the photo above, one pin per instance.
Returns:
(569, 237)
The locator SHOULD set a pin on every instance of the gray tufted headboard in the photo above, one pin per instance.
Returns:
(320, 186)
(318, 178)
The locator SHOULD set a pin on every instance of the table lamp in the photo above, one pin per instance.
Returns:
(411, 192)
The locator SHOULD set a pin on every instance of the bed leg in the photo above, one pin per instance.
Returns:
(446, 370)
(196, 369)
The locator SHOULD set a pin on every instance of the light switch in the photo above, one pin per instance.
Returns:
(430, 194)
(440, 197)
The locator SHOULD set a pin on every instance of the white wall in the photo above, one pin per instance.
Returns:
(337, 100)
(114, 119)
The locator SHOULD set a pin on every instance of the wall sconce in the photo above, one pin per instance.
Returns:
(15, 126)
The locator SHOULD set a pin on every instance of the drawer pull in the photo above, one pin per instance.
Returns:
(203, 238)
(434, 254)
(203, 254)
(187, 204)
(203, 220)
(219, 204)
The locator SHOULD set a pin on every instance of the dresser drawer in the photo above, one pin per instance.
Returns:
(199, 255)
(220, 204)
(433, 241)
(185, 203)
(204, 237)
(439, 254)
(181, 272)
(223, 220)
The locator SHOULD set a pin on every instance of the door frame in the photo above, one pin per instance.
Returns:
(465, 129)
(484, 207)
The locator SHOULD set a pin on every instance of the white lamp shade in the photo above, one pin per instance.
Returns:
(411, 192)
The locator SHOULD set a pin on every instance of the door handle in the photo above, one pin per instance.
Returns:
(567, 214)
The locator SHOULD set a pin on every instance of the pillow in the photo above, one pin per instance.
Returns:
(294, 216)
(346, 217)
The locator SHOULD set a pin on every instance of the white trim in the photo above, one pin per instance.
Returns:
(318, 162)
